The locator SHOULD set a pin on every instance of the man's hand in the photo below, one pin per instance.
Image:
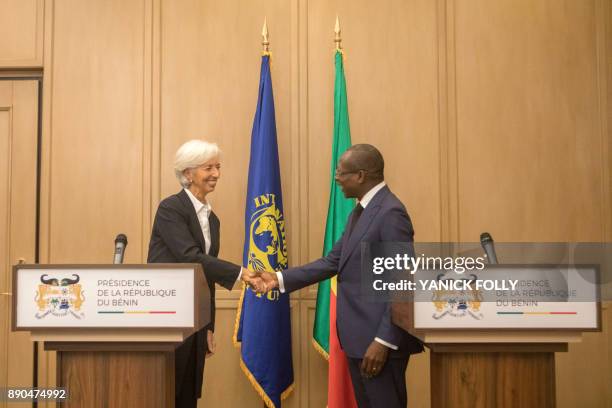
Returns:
(374, 359)
(270, 280)
(210, 341)
(253, 279)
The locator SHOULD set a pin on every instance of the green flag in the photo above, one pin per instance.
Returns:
(337, 213)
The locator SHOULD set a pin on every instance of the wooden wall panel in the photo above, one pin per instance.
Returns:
(606, 74)
(6, 91)
(211, 56)
(583, 373)
(224, 382)
(490, 115)
(313, 365)
(18, 152)
(210, 65)
(97, 105)
(391, 74)
(21, 33)
(529, 144)
(530, 139)
(604, 52)
(23, 156)
(94, 131)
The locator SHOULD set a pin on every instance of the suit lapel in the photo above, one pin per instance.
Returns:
(194, 223)
(362, 226)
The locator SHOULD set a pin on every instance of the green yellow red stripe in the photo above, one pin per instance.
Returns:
(537, 313)
(136, 312)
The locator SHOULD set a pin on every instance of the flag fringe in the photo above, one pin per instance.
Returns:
(243, 366)
(288, 391)
(238, 314)
(260, 390)
(320, 349)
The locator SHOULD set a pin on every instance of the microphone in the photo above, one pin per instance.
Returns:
(487, 244)
(120, 244)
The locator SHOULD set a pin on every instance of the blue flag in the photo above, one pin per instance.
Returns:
(263, 323)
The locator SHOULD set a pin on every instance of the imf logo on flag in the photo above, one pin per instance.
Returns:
(457, 303)
(268, 244)
(59, 297)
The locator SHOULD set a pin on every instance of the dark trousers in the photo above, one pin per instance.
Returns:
(386, 390)
(189, 366)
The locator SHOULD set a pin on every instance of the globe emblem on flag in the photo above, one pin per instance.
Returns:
(268, 244)
(59, 297)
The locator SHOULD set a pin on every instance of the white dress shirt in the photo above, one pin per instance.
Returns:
(365, 200)
(203, 211)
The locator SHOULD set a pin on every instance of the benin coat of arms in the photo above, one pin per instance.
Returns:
(59, 297)
(457, 303)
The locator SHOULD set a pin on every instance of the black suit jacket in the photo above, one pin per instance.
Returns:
(177, 238)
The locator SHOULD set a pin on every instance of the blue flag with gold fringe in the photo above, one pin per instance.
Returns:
(263, 325)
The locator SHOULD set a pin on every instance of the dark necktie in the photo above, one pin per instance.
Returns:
(356, 214)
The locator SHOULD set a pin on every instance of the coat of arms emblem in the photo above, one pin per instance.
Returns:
(457, 303)
(59, 297)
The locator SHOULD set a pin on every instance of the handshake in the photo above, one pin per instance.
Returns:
(259, 281)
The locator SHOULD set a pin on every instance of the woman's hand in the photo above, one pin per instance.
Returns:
(210, 340)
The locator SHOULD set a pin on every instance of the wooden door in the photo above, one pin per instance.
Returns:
(18, 178)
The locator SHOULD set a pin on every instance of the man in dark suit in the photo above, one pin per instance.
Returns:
(186, 230)
(377, 350)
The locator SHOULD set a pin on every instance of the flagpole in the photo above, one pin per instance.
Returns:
(265, 42)
(337, 37)
(263, 323)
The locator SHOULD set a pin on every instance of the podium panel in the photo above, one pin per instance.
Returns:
(129, 375)
(499, 379)
(498, 354)
(115, 327)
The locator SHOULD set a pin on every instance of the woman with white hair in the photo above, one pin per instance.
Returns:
(186, 230)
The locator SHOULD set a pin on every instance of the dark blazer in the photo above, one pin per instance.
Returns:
(358, 321)
(177, 238)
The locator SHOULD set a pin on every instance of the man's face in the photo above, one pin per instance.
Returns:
(348, 178)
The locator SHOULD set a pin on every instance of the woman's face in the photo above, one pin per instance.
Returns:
(204, 177)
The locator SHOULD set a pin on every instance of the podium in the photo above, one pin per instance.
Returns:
(114, 327)
(503, 355)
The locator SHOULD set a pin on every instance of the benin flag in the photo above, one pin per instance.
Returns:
(325, 339)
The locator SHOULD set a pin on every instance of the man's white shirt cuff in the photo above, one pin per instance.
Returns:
(281, 283)
(384, 343)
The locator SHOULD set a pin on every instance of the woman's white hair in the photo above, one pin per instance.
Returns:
(192, 154)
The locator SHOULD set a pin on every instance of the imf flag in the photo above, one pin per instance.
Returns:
(263, 324)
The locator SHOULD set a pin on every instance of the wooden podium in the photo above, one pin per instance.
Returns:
(495, 366)
(114, 327)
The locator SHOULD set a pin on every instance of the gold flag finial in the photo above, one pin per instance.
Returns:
(337, 38)
(264, 33)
